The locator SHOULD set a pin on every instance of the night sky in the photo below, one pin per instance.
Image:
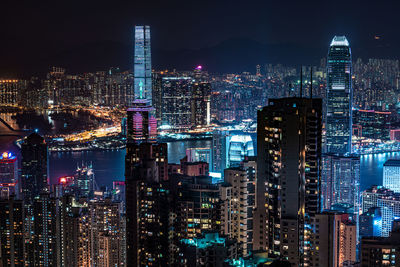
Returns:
(35, 33)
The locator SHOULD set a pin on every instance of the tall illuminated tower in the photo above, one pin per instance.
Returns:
(339, 97)
(142, 64)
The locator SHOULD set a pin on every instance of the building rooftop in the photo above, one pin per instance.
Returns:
(339, 41)
(392, 162)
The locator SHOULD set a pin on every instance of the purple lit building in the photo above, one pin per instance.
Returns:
(142, 123)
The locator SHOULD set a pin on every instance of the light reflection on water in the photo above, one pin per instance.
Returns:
(372, 168)
(109, 165)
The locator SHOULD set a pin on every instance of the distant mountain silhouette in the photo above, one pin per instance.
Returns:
(230, 56)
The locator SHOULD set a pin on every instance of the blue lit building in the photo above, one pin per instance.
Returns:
(142, 64)
(389, 204)
(341, 183)
(371, 222)
(230, 148)
(339, 97)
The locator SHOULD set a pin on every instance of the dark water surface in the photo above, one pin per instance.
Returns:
(109, 165)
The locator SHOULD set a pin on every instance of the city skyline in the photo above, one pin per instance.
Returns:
(276, 164)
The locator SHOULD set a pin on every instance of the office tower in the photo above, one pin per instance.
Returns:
(370, 222)
(371, 124)
(9, 184)
(210, 249)
(242, 181)
(141, 122)
(381, 251)
(339, 97)
(387, 201)
(288, 175)
(391, 175)
(146, 166)
(230, 148)
(200, 104)
(84, 181)
(341, 182)
(142, 64)
(335, 240)
(198, 154)
(176, 102)
(12, 232)
(239, 146)
(45, 230)
(34, 169)
(105, 237)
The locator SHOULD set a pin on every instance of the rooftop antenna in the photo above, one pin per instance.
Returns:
(311, 83)
(301, 81)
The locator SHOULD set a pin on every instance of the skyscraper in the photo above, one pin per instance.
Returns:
(200, 103)
(142, 64)
(146, 200)
(176, 101)
(339, 97)
(34, 169)
(335, 237)
(289, 138)
(142, 124)
(12, 232)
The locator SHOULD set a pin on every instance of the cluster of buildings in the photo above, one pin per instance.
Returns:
(287, 194)
(68, 223)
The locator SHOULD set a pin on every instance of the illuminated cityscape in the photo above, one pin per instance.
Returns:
(159, 135)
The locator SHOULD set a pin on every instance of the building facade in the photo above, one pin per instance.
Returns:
(289, 139)
(339, 97)
(142, 64)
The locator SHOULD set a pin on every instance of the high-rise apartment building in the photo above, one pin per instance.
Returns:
(334, 239)
(45, 231)
(339, 97)
(289, 138)
(242, 181)
(146, 199)
(142, 64)
(105, 225)
(12, 232)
